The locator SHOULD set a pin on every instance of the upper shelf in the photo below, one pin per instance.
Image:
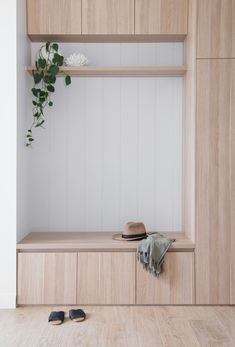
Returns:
(94, 71)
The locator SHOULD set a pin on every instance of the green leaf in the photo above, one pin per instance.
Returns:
(29, 131)
(39, 124)
(53, 70)
(50, 103)
(34, 103)
(61, 61)
(36, 115)
(52, 79)
(46, 79)
(35, 92)
(67, 80)
(47, 46)
(58, 59)
(55, 46)
(31, 139)
(50, 88)
(42, 93)
(37, 77)
(42, 63)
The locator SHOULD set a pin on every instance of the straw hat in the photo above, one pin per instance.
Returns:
(132, 231)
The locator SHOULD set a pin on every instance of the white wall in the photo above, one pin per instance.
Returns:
(8, 153)
(112, 148)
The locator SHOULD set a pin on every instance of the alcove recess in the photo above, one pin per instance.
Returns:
(183, 33)
(87, 257)
(187, 231)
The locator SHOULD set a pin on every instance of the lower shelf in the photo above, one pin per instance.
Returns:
(95, 71)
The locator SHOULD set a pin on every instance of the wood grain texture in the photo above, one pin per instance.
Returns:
(161, 17)
(112, 71)
(46, 278)
(106, 38)
(175, 284)
(189, 112)
(91, 241)
(106, 278)
(49, 17)
(216, 29)
(215, 176)
(109, 17)
(121, 326)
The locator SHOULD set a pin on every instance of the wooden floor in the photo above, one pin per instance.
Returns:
(121, 326)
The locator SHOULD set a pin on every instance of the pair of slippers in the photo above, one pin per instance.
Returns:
(57, 317)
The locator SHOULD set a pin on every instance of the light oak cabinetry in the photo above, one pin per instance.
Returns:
(174, 286)
(106, 278)
(215, 182)
(95, 20)
(50, 17)
(47, 278)
(216, 29)
(107, 17)
(161, 17)
(92, 268)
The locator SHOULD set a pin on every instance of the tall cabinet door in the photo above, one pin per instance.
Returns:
(215, 182)
(101, 17)
(50, 17)
(216, 29)
(166, 17)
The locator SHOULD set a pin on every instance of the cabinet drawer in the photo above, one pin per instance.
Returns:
(47, 278)
(106, 278)
(174, 285)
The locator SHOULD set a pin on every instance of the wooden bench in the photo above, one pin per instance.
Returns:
(92, 268)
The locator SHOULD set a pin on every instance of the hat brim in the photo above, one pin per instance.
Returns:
(119, 237)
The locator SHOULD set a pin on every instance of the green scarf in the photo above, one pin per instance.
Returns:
(151, 252)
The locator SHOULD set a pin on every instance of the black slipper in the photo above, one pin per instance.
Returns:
(77, 315)
(56, 317)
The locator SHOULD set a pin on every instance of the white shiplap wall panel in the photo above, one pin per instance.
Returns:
(111, 154)
(112, 148)
(147, 150)
(76, 155)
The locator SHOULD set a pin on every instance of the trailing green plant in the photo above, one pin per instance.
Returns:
(44, 76)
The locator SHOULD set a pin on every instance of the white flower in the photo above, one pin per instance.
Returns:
(76, 60)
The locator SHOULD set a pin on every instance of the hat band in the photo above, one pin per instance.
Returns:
(133, 236)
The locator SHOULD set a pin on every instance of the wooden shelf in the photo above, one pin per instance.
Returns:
(95, 71)
(107, 38)
(85, 241)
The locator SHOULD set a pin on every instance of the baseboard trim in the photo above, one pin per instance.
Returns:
(7, 300)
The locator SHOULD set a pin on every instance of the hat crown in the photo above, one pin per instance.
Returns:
(132, 231)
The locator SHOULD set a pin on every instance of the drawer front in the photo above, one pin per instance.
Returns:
(106, 278)
(175, 284)
(46, 278)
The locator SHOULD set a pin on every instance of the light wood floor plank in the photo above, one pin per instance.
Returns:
(142, 326)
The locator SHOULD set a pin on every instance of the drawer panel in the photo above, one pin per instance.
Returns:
(106, 278)
(46, 278)
(174, 285)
